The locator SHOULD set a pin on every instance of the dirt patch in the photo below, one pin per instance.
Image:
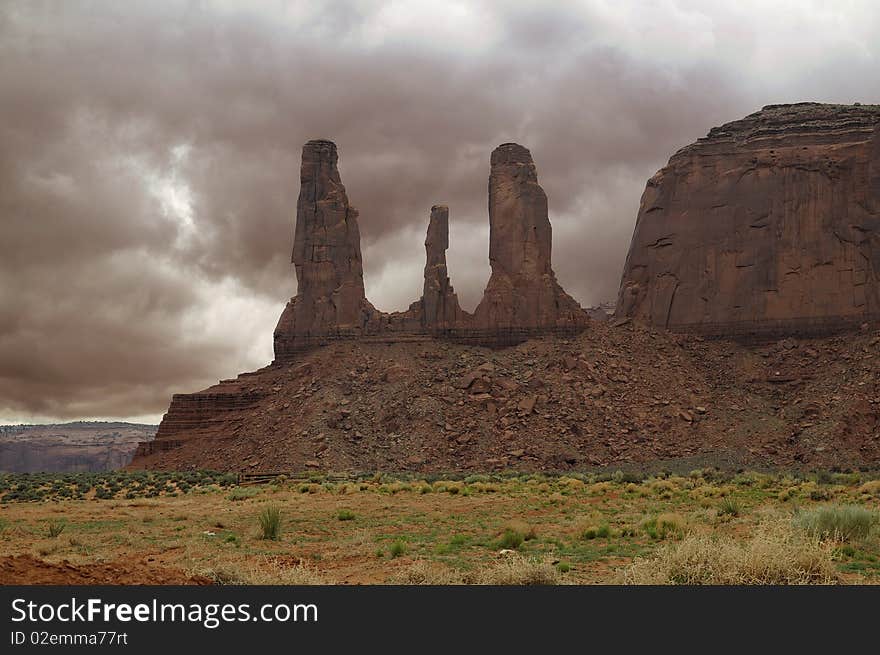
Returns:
(28, 570)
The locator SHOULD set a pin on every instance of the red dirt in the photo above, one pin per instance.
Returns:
(28, 570)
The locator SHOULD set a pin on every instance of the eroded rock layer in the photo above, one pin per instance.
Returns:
(770, 224)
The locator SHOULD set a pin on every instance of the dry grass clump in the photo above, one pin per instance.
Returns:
(511, 570)
(520, 571)
(871, 488)
(422, 572)
(665, 525)
(600, 488)
(270, 523)
(527, 531)
(842, 522)
(267, 572)
(777, 554)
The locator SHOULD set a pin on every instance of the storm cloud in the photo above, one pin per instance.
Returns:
(149, 157)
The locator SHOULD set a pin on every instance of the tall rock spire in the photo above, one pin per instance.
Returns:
(440, 309)
(327, 256)
(522, 291)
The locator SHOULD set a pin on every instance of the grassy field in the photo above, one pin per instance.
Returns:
(704, 527)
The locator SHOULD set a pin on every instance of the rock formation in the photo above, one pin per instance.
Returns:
(522, 298)
(770, 224)
(327, 256)
(522, 292)
(439, 304)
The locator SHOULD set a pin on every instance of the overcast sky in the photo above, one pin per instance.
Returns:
(149, 157)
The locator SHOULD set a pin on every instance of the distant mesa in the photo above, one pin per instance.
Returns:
(522, 297)
(769, 225)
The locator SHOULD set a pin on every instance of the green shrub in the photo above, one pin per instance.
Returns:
(729, 507)
(397, 549)
(843, 522)
(665, 525)
(345, 515)
(55, 528)
(270, 523)
(511, 538)
(593, 532)
(242, 493)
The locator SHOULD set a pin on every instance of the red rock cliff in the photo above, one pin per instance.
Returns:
(770, 223)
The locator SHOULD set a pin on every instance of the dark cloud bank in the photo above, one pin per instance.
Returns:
(149, 158)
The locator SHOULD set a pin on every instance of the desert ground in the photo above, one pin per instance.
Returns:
(705, 526)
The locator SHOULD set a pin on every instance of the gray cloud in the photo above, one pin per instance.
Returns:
(149, 158)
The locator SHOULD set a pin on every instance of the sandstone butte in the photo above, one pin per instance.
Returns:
(769, 224)
(765, 228)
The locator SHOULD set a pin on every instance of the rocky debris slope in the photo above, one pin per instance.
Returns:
(770, 224)
(612, 396)
(522, 297)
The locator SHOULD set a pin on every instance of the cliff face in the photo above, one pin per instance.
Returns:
(769, 224)
(70, 447)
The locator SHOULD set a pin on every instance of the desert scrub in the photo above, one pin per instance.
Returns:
(777, 554)
(510, 570)
(243, 493)
(511, 539)
(729, 507)
(397, 549)
(664, 526)
(596, 532)
(527, 531)
(518, 570)
(270, 523)
(55, 528)
(871, 488)
(345, 515)
(841, 522)
(265, 572)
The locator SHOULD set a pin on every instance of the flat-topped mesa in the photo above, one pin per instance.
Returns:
(769, 225)
(522, 293)
(440, 308)
(327, 255)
